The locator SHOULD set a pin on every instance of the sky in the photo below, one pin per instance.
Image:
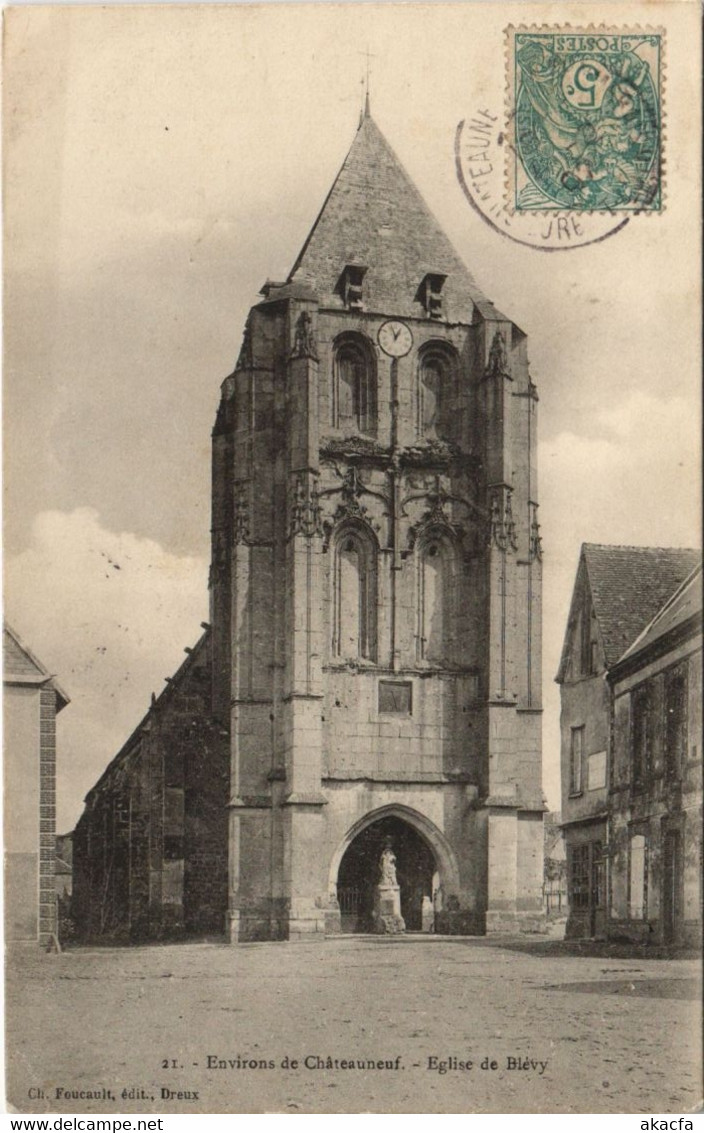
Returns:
(160, 164)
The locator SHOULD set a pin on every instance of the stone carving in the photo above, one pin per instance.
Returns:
(497, 362)
(435, 516)
(429, 452)
(387, 896)
(352, 488)
(387, 866)
(240, 514)
(509, 525)
(344, 448)
(350, 506)
(306, 516)
(501, 523)
(535, 540)
(304, 345)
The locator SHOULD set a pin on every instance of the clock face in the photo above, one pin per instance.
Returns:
(395, 338)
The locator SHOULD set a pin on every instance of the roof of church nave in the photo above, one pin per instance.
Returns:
(375, 217)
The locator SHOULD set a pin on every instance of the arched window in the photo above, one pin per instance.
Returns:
(354, 402)
(354, 595)
(435, 600)
(437, 401)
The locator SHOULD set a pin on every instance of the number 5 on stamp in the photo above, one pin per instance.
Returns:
(585, 119)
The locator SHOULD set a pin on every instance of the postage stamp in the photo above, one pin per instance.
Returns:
(585, 119)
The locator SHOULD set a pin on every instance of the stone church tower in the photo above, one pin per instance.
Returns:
(376, 581)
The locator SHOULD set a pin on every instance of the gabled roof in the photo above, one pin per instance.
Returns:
(375, 217)
(172, 687)
(683, 605)
(20, 666)
(627, 586)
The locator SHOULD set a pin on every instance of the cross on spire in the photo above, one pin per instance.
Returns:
(365, 82)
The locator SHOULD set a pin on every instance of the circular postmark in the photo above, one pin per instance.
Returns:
(480, 142)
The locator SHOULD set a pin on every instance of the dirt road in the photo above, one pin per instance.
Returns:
(438, 1024)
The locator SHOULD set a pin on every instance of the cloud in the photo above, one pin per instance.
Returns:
(109, 613)
(630, 476)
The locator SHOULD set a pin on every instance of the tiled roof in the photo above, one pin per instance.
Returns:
(684, 604)
(629, 585)
(375, 217)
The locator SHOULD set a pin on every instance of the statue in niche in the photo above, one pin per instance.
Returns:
(304, 345)
(387, 867)
(497, 355)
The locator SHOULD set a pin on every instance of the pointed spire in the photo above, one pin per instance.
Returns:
(366, 112)
(374, 217)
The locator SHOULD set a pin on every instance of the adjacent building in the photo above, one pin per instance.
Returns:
(32, 699)
(372, 673)
(150, 849)
(618, 592)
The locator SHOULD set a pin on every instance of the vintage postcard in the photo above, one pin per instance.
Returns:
(352, 653)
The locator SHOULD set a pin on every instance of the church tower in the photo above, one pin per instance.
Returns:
(376, 582)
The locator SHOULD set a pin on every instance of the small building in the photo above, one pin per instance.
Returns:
(32, 700)
(655, 804)
(618, 591)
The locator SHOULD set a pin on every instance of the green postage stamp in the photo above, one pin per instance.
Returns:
(585, 119)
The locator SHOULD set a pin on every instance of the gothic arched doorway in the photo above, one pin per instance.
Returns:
(358, 873)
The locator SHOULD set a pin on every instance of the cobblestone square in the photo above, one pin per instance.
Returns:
(438, 1025)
